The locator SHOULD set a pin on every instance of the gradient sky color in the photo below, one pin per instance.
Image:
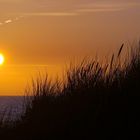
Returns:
(36, 35)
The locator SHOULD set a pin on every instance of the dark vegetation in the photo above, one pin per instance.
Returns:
(95, 101)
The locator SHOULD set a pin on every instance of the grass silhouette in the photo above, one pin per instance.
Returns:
(98, 101)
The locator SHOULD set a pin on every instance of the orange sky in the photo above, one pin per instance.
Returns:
(36, 35)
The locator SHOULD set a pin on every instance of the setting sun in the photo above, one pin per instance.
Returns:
(1, 59)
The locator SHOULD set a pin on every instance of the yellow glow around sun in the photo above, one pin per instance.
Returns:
(1, 59)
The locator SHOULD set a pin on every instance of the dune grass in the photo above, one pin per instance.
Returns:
(95, 100)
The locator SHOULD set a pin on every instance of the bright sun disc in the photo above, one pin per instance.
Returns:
(1, 59)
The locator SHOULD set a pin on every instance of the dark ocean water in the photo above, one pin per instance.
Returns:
(11, 107)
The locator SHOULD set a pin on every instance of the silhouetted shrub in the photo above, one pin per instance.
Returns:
(99, 101)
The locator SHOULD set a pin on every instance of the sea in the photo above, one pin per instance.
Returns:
(11, 107)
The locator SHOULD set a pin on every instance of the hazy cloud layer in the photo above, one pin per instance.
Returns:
(63, 7)
(51, 14)
(89, 8)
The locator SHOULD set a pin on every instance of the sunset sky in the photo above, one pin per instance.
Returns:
(39, 35)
